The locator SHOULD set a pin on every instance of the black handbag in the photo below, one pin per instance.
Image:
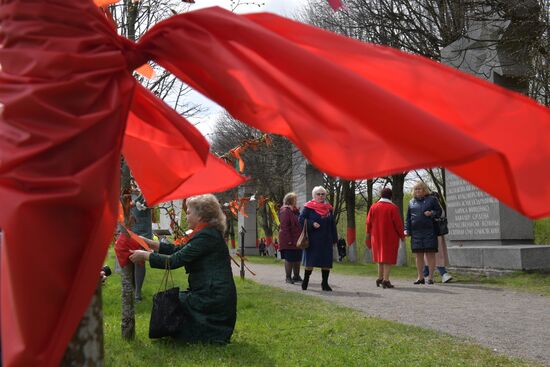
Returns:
(167, 316)
(442, 226)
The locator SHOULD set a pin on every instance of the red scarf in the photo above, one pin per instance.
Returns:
(184, 240)
(323, 209)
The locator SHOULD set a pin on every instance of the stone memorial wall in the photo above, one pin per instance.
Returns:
(476, 217)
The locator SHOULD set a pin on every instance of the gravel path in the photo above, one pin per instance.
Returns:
(516, 324)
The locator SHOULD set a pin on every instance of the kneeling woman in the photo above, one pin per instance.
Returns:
(210, 303)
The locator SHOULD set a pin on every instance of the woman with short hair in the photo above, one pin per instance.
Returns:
(210, 303)
(321, 230)
(289, 231)
(384, 228)
(420, 225)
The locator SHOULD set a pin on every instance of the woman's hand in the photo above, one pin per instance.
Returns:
(368, 242)
(428, 213)
(152, 244)
(316, 225)
(405, 233)
(102, 276)
(139, 256)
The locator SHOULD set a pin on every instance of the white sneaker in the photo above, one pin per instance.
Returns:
(445, 278)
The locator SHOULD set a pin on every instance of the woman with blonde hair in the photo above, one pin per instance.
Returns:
(321, 229)
(288, 235)
(209, 306)
(420, 225)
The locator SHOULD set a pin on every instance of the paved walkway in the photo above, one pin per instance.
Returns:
(516, 324)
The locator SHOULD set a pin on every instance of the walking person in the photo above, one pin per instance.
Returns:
(261, 247)
(288, 235)
(420, 225)
(321, 230)
(384, 228)
(442, 256)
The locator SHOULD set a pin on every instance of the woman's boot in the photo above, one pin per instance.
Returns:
(305, 282)
(324, 283)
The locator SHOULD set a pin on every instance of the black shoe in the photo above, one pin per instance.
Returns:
(430, 281)
(289, 280)
(324, 283)
(305, 282)
(297, 278)
(420, 281)
(379, 282)
(387, 284)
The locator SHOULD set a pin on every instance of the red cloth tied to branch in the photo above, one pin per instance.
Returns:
(355, 110)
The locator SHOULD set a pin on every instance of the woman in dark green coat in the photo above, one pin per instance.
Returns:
(210, 303)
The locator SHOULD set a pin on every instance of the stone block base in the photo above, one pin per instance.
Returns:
(512, 257)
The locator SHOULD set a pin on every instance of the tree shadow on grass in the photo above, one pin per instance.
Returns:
(475, 286)
(423, 289)
(237, 353)
(169, 352)
(338, 293)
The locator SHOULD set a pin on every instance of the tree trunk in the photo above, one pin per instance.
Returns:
(370, 199)
(266, 224)
(349, 197)
(86, 346)
(128, 320)
(398, 182)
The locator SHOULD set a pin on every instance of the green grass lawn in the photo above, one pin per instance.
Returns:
(278, 328)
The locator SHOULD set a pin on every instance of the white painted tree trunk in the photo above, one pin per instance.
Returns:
(128, 321)
(86, 346)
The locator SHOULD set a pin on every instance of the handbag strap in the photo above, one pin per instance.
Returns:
(167, 273)
(305, 228)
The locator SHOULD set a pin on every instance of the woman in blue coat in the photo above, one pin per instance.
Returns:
(420, 225)
(321, 230)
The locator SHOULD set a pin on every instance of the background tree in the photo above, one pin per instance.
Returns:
(269, 167)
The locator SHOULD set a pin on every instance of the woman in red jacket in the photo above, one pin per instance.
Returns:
(288, 235)
(384, 229)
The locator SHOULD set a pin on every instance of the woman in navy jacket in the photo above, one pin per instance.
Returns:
(420, 225)
(321, 229)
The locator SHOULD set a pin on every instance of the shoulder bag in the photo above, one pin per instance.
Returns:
(441, 226)
(167, 315)
(303, 240)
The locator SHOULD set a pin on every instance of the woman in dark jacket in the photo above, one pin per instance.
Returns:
(419, 224)
(289, 232)
(321, 229)
(210, 303)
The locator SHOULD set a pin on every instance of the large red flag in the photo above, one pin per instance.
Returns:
(354, 109)
(359, 110)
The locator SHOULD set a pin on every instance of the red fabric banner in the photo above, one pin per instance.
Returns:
(350, 235)
(123, 245)
(335, 4)
(66, 89)
(392, 102)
